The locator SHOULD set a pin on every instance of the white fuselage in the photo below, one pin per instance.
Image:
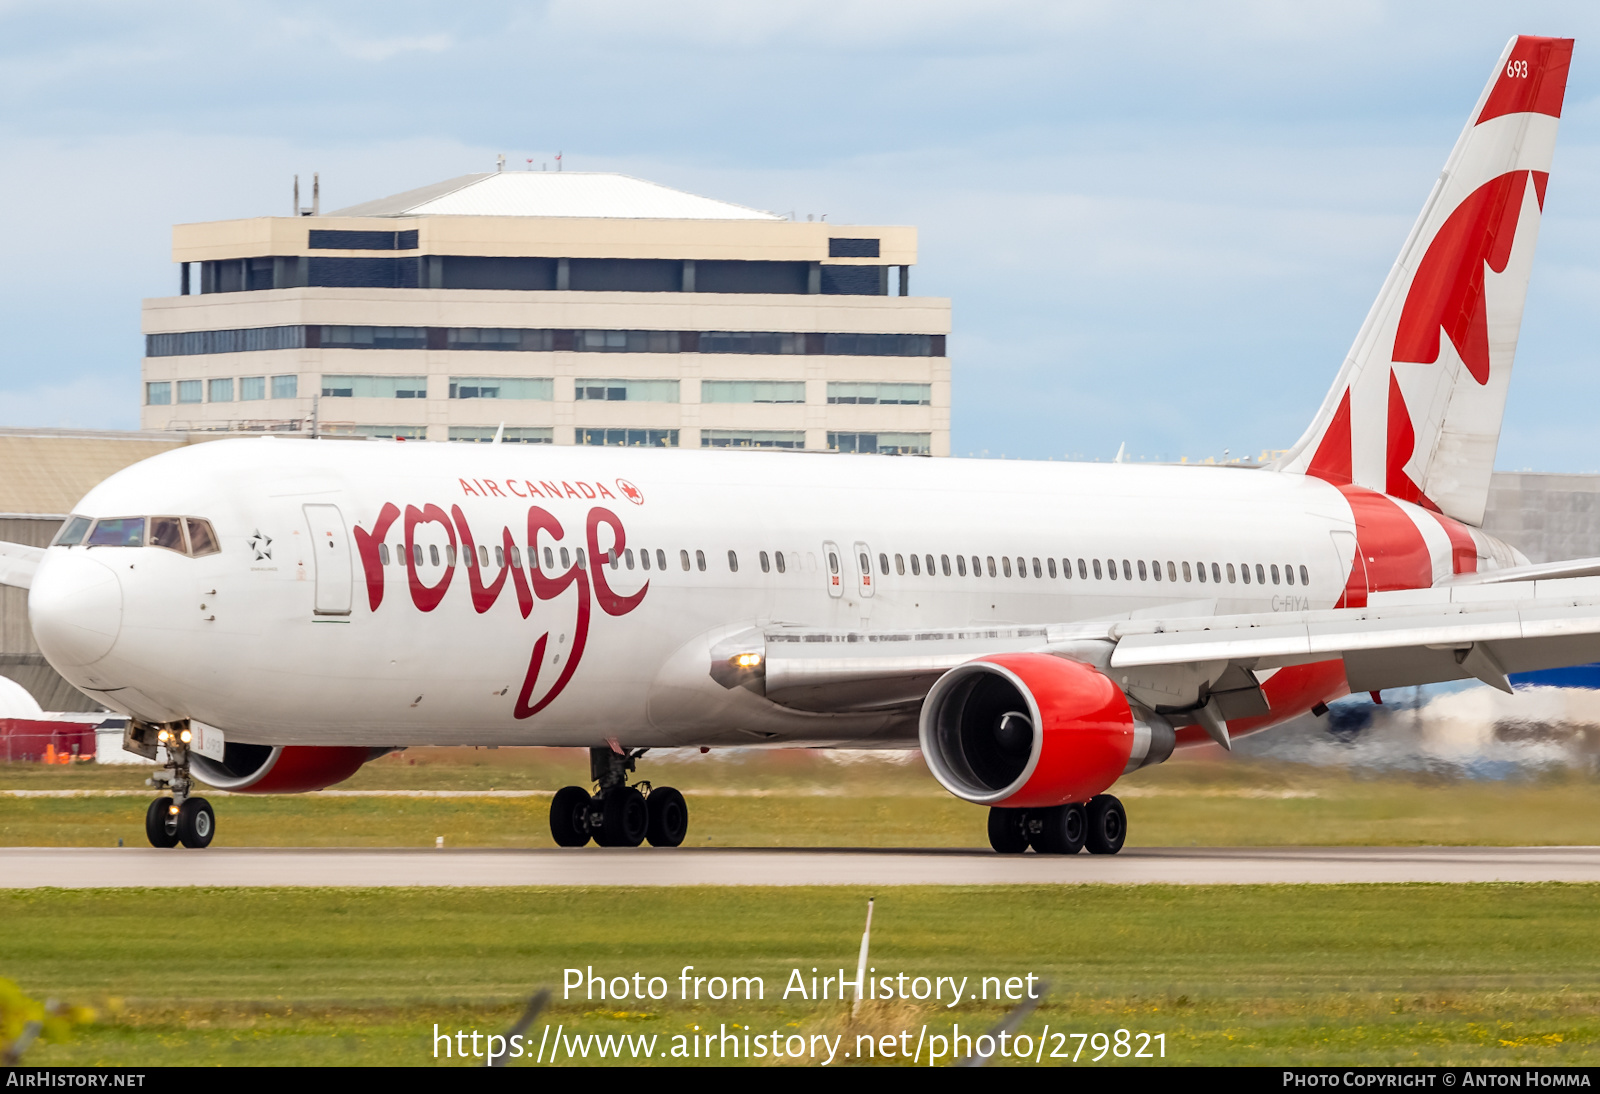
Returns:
(275, 639)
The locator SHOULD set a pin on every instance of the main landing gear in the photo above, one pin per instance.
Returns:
(174, 817)
(616, 814)
(1101, 825)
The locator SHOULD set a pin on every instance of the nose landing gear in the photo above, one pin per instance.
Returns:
(616, 814)
(175, 817)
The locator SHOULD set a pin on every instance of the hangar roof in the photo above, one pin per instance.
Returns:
(553, 194)
(44, 472)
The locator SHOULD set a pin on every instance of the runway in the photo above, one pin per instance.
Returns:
(92, 867)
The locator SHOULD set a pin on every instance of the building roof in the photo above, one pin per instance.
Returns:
(44, 472)
(553, 194)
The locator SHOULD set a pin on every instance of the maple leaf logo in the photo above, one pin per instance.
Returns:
(630, 491)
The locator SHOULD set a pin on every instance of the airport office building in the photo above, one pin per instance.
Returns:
(554, 308)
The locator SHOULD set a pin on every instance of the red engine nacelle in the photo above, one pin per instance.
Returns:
(280, 769)
(1030, 730)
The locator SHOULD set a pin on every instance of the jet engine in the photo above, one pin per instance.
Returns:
(1031, 730)
(280, 769)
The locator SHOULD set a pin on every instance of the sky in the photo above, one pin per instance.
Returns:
(1160, 224)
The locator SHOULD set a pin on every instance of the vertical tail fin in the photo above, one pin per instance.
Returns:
(1416, 410)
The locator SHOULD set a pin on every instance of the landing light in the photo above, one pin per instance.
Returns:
(172, 810)
(164, 736)
(747, 661)
(185, 736)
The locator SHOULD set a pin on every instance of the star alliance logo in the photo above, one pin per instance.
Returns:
(261, 544)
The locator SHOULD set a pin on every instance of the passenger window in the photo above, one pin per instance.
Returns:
(1172, 572)
(1244, 572)
(549, 558)
(1231, 578)
(533, 557)
(733, 563)
(1005, 564)
(1127, 570)
(944, 564)
(566, 559)
(1083, 572)
(416, 553)
(1216, 573)
(1111, 568)
(1097, 576)
(977, 570)
(167, 532)
(611, 557)
(72, 532)
(992, 571)
(1052, 566)
(682, 555)
(627, 557)
(700, 562)
(1200, 570)
(1155, 570)
(383, 554)
(1274, 573)
(450, 556)
(483, 556)
(1288, 575)
(500, 557)
(1142, 575)
(516, 557)
(433, 553)
(1261, 575)
(644, 558)
(1186, 574)
(1305, 578)
(927, 562)
(916, 566)
(1038, 569)
(961, 565)
(766, 568)
(883, 564)
(583, 563)
(778, 557)
(118, 532)
(900, 565)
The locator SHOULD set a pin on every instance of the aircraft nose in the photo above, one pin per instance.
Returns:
(75, 606)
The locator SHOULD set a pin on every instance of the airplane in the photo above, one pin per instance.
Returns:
(271, 613)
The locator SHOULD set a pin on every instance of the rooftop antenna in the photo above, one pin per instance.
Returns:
(316, 193)
(296, 197)
(558, 161)
(500, 163)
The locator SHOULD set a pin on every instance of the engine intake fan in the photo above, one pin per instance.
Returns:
(1029, 730)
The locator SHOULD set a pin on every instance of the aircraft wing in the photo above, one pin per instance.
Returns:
(1541, 571)
(17, 563)
(1196, 668)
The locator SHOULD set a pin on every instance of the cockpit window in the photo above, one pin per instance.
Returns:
(73, 531)
(202, 540)
(118, 532)
(167, 532)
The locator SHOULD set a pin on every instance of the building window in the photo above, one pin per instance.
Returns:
(374, 338)
(285, 387)
(484, 434)
(189, 391)
(632, 391)
(326, 240)
(881, 394)
(722, 341)
(752, 438)
(891, 444)
(499, 338)
(219, 391)
(189, 343)
(883, 345)
(382, 432)
(631, 438)
(752, 391)
(158, 394)
(252, 388)
(626, 341)
(853, 248)
(374, 387)
(501, 387)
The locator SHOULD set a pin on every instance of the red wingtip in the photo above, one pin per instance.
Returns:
(1534, 79)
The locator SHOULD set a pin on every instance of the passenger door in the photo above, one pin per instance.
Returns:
(330, 552)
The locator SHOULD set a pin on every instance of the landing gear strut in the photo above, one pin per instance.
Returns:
(1101, 825)
(175, 816)
(616, 814)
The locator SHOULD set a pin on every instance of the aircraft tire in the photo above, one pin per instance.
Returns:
(197, 823)
(155, 824)
(669, 817)
(1061, 830)
(569, 825)
(1007, 833)
(625, 818)
(1108, 825)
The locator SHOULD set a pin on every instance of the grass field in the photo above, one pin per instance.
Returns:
(807, 799)
(1483, 974)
